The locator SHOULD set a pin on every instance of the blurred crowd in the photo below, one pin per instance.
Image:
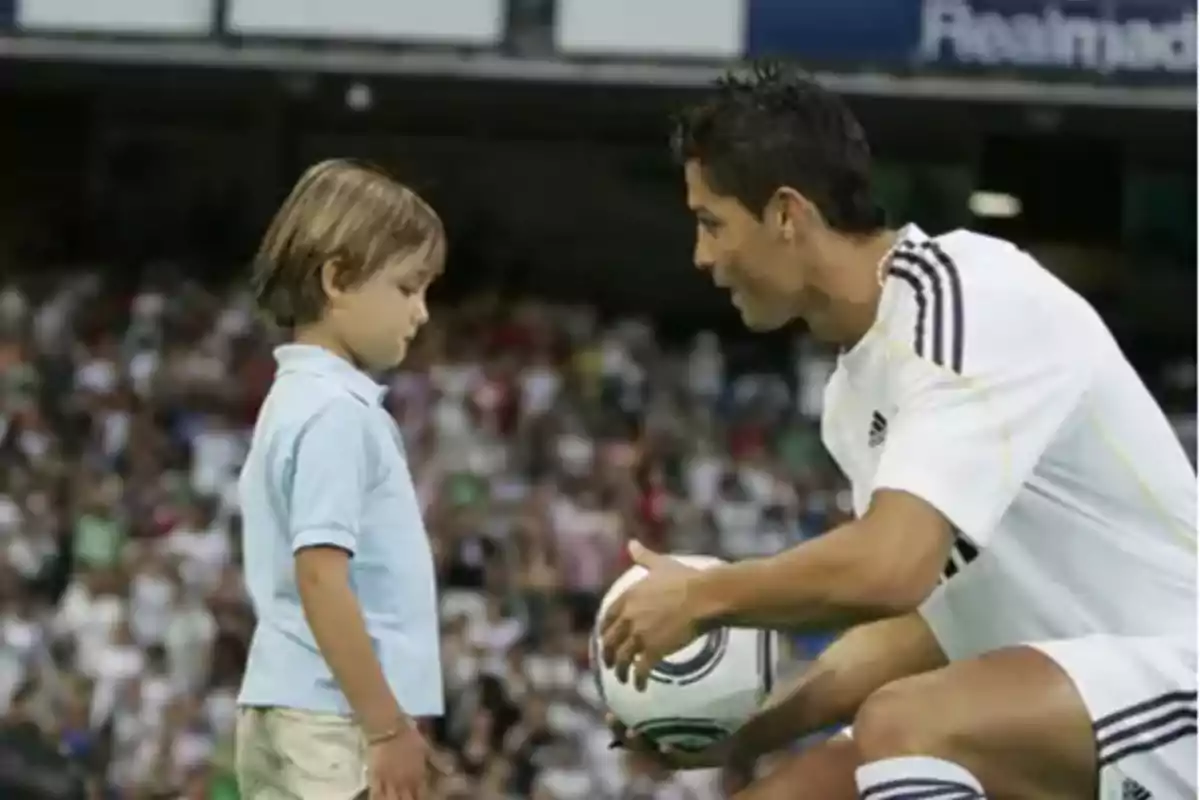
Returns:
(542, 438)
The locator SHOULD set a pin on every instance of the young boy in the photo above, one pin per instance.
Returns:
(345, 654)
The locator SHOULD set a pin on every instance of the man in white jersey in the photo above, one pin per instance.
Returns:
(1019, 583)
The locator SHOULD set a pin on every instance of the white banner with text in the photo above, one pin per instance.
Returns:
(642, 28)
(155, 17)
(466, 22)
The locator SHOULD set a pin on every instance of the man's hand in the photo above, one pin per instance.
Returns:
(652, 619)
(667, 758)
(737, 768)
(401, 768)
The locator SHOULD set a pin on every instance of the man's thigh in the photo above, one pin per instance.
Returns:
(1140, 694)
(284, 754)
(1049, 720)
(1102, 716)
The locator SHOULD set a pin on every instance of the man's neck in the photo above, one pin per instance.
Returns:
(863, 272)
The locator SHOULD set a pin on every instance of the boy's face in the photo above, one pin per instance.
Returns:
(378, 318)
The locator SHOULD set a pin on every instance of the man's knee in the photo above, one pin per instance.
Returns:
(901, 719)
(1012, 718)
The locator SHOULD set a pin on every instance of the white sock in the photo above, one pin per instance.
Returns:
(916, 778)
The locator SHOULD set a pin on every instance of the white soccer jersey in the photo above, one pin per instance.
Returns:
(994, 392)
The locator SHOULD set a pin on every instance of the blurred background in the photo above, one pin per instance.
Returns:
(579, 384)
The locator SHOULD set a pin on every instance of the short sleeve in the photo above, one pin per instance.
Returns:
(967, 443)
(329, 478)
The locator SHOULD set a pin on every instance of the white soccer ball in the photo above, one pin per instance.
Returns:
(698, 695)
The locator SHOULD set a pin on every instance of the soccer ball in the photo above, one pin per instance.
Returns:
(699, 694)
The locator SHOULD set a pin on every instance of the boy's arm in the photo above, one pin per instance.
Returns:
(330, 476)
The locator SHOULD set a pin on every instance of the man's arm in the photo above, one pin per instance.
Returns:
(882, 565)
(959, 448)
(958, 451)
(330, 476)
(831, 690)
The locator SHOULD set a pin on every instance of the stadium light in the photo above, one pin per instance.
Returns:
(994, 205)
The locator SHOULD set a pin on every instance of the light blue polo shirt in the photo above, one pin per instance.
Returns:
(326, 467)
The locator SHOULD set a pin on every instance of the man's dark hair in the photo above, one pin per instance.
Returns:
(773, 126)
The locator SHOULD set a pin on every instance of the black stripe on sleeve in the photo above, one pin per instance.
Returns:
(924, 273)
(934, 279)
(954, 282)
(914, 283)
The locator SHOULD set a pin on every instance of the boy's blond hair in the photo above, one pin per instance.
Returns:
(347, 212)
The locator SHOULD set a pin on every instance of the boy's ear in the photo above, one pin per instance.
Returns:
(331, 284)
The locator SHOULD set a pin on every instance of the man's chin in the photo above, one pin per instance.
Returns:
(761, 323)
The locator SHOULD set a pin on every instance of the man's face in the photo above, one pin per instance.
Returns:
(761, 261)
(378, 318)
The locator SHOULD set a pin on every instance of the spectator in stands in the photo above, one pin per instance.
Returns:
(539, 442)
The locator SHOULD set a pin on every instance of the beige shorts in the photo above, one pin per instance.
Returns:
(284, 754)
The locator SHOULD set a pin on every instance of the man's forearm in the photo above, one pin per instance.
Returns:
(336, 620)
(831, 690)
(836, 581)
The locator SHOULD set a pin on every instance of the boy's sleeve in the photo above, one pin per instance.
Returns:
(330, 468)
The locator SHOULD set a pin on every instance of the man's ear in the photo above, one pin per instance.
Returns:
(791, 213)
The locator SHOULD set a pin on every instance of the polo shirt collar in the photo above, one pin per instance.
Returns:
(319, 361)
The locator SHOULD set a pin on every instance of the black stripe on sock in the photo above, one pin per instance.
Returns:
(937, 794)
(915, 785)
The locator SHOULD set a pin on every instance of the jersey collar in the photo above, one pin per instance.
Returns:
(909, 235)
(319, 361)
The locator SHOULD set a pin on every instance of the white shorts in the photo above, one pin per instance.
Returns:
(283, 754)
(1141, 694)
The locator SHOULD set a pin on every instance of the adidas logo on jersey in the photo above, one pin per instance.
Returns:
(878, 432)
(1132, 790)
